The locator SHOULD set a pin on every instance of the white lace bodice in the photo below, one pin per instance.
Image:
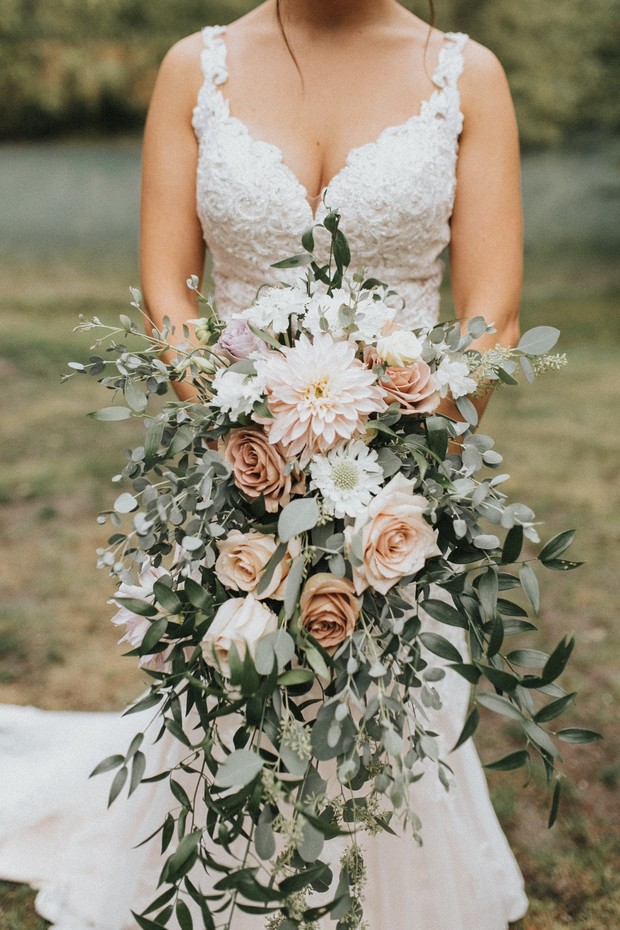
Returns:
(395, 193)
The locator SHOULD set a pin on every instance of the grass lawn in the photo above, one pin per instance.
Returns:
(562, 448)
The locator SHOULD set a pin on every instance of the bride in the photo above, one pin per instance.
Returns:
(253, 132)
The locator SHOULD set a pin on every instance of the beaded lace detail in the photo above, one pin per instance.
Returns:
(395, 193)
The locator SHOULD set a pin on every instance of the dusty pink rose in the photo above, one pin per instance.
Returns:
(396, 539)
(242, 560)
(237, 340)
(259, 467)
(412, 386)
(329, 609)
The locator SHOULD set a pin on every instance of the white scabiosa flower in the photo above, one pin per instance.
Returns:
(452, 375)
(235, 393)
(348, 476)
(370, 317)
(327, 307)
(274, 307)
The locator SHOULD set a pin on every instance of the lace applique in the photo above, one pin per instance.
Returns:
(395, 193)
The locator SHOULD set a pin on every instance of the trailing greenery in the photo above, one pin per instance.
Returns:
(90, 64)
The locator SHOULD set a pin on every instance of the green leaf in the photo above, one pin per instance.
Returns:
(556, 663)
(307, 240)
(499, 705)
(556, 546)
(555, 803)
(125, 503)
(153, 635)
(487, 592)
(239, 769)
(266, 337)
(499, 678)
(112, 762)
(147, 924)
(467, 410)
(316, 661)
(196, 594)
(265, 841)
(293, 584)
(561, 565)
(296, 676)
(470, 727)
(513, 544)
(528, 658)
(270, 567)
(578, 735)
(108, 414)
(469, 672)
(135, 398)
(342, 252)
(539, 340)
(183, 438)
(180, 794)
(515, 760)
(298, 517)
(529, 582)
(183, 915)
(137, 771)
(438, 437)
(302, 879)
(444, 613)
(312, 844)
(152, 442)
(167, 598)
(540, 737)
(294, 261)
(118, 784)
(184, 851)
(137, 607)
(440, 646)
(555, 708)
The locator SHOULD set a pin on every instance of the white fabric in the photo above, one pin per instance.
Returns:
(396, 196)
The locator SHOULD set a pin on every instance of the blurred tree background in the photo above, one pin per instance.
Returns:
(90, 64)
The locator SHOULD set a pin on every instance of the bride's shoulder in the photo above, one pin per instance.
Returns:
(483, 83)
(180, 76)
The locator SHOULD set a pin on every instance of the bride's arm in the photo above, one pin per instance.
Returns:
(486, 260)
(171, 241)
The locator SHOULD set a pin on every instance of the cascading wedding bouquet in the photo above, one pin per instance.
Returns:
(290, 531)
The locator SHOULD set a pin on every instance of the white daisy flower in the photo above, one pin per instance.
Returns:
(347, 476)
(370, 318)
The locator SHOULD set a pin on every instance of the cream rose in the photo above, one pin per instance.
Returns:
(399, 348)
(242, 621)
(329, 609)
(413, 387)
(242, 560)
(259, 467)
(396, 539)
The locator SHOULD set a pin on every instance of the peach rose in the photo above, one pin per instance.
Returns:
(329, 609)
(242, 560)
(396, 539)
(412, 386)
(242, 621)
(259, 467)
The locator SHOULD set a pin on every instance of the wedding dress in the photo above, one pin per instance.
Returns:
(395, 194)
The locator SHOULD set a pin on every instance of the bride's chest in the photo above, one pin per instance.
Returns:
(400, 184)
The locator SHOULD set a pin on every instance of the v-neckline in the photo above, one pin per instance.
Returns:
(426, 105)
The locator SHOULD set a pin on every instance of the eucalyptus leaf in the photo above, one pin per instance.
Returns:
(298, 517)
(539, 340)
(239, 769)
(110, 414)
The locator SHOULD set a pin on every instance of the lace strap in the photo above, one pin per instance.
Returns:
(450, 64)
(215, 73)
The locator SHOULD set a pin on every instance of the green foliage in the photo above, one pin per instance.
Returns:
(90, 64)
